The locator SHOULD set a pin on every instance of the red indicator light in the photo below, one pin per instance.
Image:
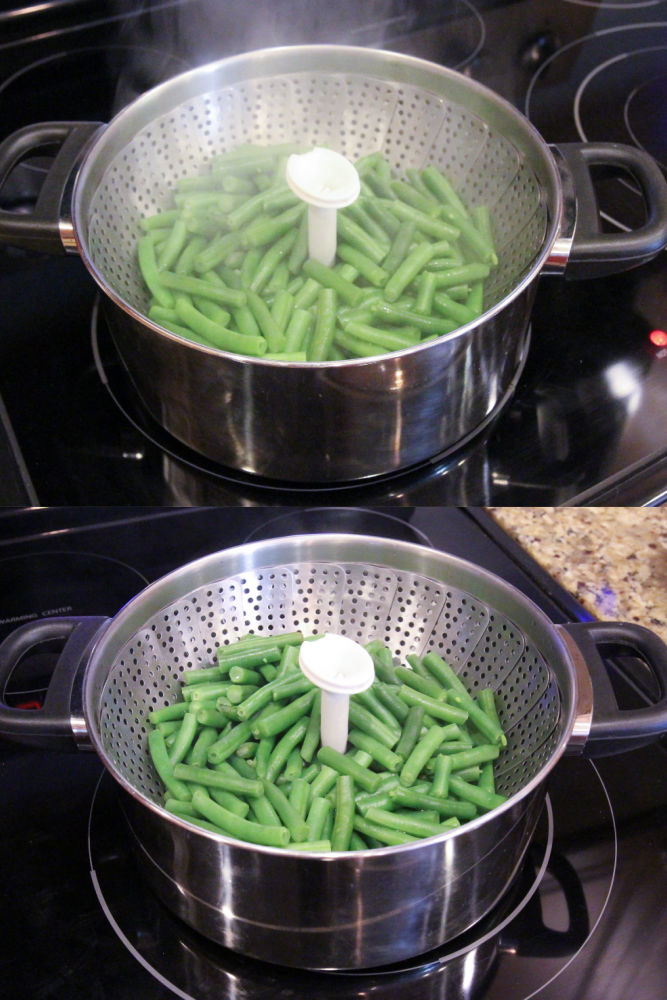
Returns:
(658, 338)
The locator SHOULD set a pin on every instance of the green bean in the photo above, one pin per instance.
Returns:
(199, 751)
(293, 683)
(218, 779)
(436, 709)
(441, 774)
(333, 280)
(263, 756)
(438, 325)
(432, 226)
(297, 329)
(285, 717)
(382, 338)
(237, 693)
(267, 324)
(293, 771)
(480, 797)
(415, 798)
(184, 737)
(487, 779)
(344, 764)
(344, 814)
(296, 824)
(316, 846)
(371, 271)
(159, 220)
(199, 286)
(440, 186)
(238, 827)
(244, 675)
(471, 236)
(265, 229)
(205, 691)
(271, 259)
(173, 245)
(325, 324)
(382, 660)
(361, 718)
(324, 781)
(412, 728)
(160, 757)
(353, 234)
(299, 788)
(448, 306)
(386, 695)
(167, 728)
(369, 700)
(412, 196)
(312, 736)
(407, 271)
(288, 741)
(383, 834)
(250, 654)
(263, 812)
(281, 310)
(414, 824)
(149, 272)
(476, 755)
(385, 757)
(415, 680)
(229, 743)
(318, 811)
(168, 712)
(422, 751)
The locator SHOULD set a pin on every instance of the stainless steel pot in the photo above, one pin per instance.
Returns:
(333, 421)
(343, 910)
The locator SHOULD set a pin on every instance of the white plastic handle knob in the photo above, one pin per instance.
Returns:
(326, 181)
(340, 667)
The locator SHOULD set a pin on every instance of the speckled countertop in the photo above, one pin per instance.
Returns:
(612, 559)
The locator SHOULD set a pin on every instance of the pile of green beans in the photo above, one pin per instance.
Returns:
(239, 753)
(227, 263)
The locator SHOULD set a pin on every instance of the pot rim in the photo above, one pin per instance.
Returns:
(262, 60)
(549, 640)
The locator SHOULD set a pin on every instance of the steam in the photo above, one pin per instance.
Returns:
(204, 31)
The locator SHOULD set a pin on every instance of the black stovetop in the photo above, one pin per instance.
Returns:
(586, 424)
(585, 917)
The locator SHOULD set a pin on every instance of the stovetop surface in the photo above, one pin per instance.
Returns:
(585, 424)
(584, 918)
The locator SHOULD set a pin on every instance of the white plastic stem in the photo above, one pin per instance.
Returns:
(326, 181)
(340, 667)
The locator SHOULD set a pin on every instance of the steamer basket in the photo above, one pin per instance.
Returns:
(354, 101)
(410, 611)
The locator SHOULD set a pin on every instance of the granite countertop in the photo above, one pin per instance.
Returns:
(612, 559)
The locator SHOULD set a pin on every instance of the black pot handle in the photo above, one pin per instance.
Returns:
(41, 229)
(51, 726)
(613, 729)
(593, 252)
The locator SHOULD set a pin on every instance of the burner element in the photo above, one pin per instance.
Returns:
(646, 118)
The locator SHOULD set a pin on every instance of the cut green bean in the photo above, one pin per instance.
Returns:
(237, 826)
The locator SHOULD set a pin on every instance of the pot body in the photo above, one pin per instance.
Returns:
(354, 911)
(327, 423)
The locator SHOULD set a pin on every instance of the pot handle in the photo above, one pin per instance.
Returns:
(594, 253)
(45, 228)
(58, 724)
(613, 729)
